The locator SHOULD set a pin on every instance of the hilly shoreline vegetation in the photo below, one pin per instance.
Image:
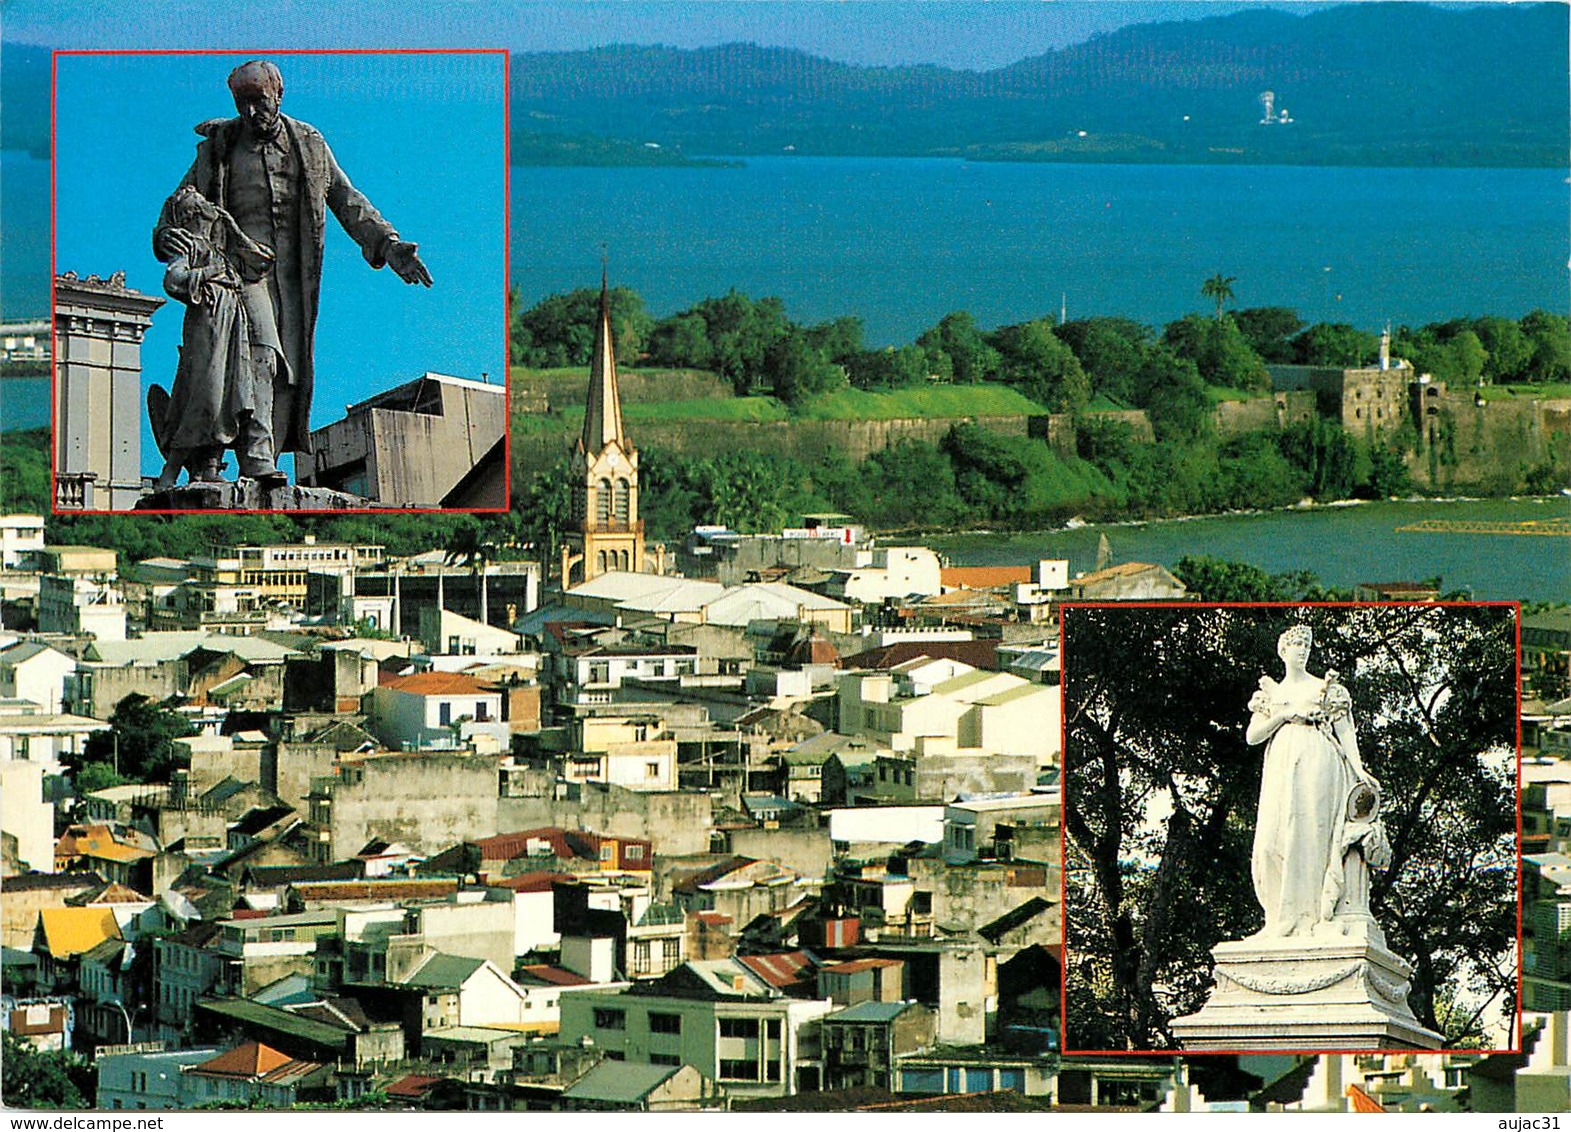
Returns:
(1397, 84)
(1100, 374)
(733, 362)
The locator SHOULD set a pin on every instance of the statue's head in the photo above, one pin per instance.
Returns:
(258, 87)
(1298, 638)
(192, 211)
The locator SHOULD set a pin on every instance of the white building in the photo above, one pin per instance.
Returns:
(432, 709)
(31, 670)
(78, 606)
(21, 536)
(893, 572)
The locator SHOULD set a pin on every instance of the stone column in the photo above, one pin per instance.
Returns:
(98, 391)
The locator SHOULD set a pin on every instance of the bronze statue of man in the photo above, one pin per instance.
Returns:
(278, 179)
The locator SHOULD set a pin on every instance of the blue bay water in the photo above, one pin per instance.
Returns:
(1341, 545)
(901, 242)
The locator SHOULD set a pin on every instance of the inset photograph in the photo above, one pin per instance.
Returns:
(1290, 828)
(280, 281)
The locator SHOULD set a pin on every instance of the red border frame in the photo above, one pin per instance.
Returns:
(1063, 832)
(507, 282)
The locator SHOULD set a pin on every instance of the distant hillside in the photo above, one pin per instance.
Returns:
(1366, 83)
(1376, 84)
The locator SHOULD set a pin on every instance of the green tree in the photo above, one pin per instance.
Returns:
(1325, 453)
(1161, 793)
(140, 740)
(24, 472)
(1112, 352)
(801, 371)
(546, 507)
(1173, 394)
(890, 368)
(736, 336)
(1550, 335)
(1335, 344)
(910, 483)
(1220, 288)
(560, 329)
(958, 339)
(1036, 362)
(1219, 350)
(1269, 331)
(840, 339)
(1218, 580)
(1510, 352)
(51, 1079)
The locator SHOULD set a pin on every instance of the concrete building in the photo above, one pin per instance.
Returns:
(861, 1044)
(992, 711)
(970, 825)
(81, 607)
(717, 1016)
(145, 1075)
(98, 391)
(436, 441)
(607, 532)
(428, 801)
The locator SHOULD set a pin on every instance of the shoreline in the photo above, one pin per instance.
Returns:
(1125, 524)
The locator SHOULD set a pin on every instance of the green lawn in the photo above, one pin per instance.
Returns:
(1543, 392)
(1226, 393)
(708, 409)
(932, 401)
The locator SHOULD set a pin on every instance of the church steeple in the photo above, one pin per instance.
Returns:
(603, 412)
(608, 533)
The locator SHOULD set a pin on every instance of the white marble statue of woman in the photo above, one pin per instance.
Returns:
(1318, 827)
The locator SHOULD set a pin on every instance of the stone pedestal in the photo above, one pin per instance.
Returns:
(249, 495)
(1307, 994)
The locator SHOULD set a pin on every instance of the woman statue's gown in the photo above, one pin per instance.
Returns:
(1304, 788)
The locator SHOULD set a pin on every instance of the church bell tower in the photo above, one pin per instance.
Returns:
(606, 532)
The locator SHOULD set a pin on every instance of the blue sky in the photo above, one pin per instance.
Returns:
(421, 135)
(975, 34)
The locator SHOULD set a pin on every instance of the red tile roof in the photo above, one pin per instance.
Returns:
(545, 973)
(855, 965)
(250, 1060)
(532, 882)
(783, 969)
(413, 1086)
(438, 684)
(984, 577)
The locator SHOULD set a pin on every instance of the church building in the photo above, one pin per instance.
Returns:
(606, 532)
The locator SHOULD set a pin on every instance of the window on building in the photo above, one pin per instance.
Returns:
(739, 1027)
(641, 957)
(482, 711)
(633, 852)
(772, 1029)
(665, 1023)
(665, 1059)
(651, 770)
(738, 1069)
(607, 1018)
(771, 1070)
(670, 952)
(444, 713)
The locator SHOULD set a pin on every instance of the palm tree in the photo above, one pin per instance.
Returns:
(1220, 288)
(472, 546)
